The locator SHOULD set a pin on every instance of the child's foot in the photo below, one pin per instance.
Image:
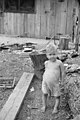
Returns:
(43, 109)
(54, 111)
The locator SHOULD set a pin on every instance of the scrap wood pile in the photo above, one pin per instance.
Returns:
(70, 98)
(66, 54)
(26, 47)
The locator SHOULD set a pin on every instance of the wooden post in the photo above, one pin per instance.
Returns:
(76, 36)
(63, 43)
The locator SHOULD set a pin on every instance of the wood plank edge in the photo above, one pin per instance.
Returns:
(5, 117)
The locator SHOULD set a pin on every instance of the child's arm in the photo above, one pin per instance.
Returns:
(46, 62)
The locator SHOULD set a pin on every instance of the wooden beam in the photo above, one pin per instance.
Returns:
(12, 106)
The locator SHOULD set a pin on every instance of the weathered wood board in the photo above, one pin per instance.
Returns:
(49, 18)
(12, 106)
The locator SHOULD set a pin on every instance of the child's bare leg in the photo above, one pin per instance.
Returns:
(44, 98)
(57, 101)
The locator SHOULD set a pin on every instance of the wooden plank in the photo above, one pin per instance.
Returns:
(52, 19)
(12, 106)
(69, 17)
(52, 26)
(47, 5)
(18, 23)
(8, 19)
(47, 13)
(21, 23)
(12, 25)
(15, 24)
(26, 24)
(0, 25)
(5, 23)
(31, 25)
(63, 17)
(43, 20)
(37, 19)
(79, 24)
(57, 17)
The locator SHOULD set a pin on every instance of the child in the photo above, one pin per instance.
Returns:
(54, 73)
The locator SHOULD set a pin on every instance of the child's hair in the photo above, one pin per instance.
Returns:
(51, 49)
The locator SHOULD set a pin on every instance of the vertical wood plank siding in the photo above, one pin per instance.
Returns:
(37, 19)
(50, 17)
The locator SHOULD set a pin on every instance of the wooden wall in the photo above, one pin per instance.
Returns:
(50, 17)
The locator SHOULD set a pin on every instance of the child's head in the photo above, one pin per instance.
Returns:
(51, 51)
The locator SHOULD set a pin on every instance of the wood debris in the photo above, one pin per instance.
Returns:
(7, 82)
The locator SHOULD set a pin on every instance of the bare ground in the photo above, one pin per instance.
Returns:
(12, 64)
(31, 107)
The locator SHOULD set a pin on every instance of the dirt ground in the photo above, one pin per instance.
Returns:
(14, 64)
(31, 108)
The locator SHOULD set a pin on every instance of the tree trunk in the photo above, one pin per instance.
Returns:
(38, 63)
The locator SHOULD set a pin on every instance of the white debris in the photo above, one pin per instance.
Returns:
(32, 89)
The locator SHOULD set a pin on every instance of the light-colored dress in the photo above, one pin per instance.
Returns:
(51, 77)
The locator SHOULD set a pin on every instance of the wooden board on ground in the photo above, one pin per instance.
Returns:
(13, 104)
(7, 82)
